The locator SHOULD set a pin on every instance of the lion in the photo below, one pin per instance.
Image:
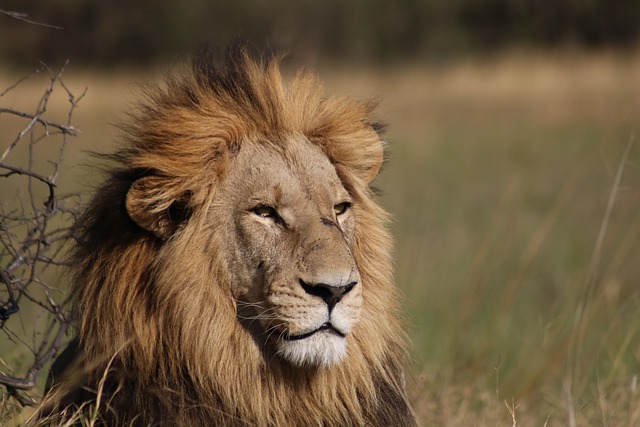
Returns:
(234, 268)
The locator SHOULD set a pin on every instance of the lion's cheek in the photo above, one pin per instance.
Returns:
(295, 318)
(346, 314)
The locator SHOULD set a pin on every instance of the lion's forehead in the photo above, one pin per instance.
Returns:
(297, 170)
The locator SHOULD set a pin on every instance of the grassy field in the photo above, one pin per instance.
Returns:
(515, 187)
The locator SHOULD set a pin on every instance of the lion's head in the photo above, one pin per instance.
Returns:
(237, 257)
(290, 250)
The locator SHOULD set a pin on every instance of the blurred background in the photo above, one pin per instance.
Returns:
(117, 32)
(514, 172)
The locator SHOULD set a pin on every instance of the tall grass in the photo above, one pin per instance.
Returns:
(518, 223)
(515, 185)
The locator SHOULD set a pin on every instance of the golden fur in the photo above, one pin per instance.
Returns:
(157, 296)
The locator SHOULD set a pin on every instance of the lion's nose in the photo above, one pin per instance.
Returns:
(331, 295)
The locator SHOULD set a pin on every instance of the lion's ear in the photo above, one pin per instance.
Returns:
(151, 204)
(365, 155)
(362, 157)
(375, 159)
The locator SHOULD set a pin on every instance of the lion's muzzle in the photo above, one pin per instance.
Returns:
(330, 294)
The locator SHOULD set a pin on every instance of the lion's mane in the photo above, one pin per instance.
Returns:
(146, 305)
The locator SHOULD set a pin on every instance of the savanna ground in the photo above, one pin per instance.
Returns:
(515, 187)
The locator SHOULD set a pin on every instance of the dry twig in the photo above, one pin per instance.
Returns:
(34, 230)
(25, 18)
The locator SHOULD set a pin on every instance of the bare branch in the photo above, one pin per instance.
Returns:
(13, 305)
(23, 17)
(69, 130)
(19, 171)
(34, 232)
(13, 86)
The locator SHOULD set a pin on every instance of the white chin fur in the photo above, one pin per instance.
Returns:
(323, 349)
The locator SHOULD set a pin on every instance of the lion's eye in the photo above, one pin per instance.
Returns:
(341, 208)
(265, 212)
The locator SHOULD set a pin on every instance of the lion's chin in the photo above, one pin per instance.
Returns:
(322, 349)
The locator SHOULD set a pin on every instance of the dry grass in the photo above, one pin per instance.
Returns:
(517, 224)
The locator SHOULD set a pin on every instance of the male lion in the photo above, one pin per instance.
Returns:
(234, 269)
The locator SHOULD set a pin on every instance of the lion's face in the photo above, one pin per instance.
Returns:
(297, 285)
